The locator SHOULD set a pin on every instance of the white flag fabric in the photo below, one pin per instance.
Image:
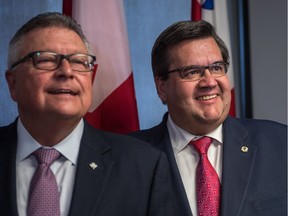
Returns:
(114, 104)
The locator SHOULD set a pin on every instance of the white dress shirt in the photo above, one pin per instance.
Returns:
(64, 168)
(187, 157)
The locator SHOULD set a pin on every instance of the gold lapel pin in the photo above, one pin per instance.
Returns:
(93, 165)
(244, 149)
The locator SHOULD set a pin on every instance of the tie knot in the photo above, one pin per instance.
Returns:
(202, 145)
(46, 156)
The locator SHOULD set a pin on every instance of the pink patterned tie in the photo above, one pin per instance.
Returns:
(207, 181)
(44, 197)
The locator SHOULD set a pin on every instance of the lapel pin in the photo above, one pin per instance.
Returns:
(93, 165)
(244, 149)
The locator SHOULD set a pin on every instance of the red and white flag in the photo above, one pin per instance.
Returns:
(217, 15)
(114, 106)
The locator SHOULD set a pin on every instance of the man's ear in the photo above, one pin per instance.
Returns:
(161, 89)
(11, 81)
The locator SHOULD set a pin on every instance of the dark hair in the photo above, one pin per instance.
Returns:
(44, 20)
(177, 33)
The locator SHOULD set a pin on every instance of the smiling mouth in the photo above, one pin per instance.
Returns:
(207, 97)
(63, 91)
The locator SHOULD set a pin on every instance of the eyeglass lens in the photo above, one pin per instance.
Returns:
(51, 61)
(196, 72)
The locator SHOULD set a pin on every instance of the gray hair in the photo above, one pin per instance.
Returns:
(44, 20)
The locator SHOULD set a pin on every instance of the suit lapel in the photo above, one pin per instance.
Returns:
(93, 171)
(8, 204)
(237, 167)
(179, 190)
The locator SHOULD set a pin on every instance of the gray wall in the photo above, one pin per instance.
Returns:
(268, 42)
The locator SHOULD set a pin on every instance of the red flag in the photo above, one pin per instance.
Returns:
(114, 106)
(217, 15)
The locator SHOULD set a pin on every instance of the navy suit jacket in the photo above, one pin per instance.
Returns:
(132, 178)
(253, 182)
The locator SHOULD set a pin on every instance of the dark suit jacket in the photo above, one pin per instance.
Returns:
(132, 178)
(253, 182)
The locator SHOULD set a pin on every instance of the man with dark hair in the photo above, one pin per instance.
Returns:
(220, 165)
(52, 162)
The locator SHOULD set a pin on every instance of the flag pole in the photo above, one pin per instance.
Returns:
(244, 62)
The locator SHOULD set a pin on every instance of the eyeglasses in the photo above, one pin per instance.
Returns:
(194, 72)
(44, 60)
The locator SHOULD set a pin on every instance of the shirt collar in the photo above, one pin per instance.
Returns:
(68, 147)
(180, 138)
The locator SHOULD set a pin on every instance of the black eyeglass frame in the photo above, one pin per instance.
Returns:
(32, 54)
(202, 69)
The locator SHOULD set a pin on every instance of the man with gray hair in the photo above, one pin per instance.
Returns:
(52, 162)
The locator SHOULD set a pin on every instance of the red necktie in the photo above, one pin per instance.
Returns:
(207, 181)
(44, 197)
